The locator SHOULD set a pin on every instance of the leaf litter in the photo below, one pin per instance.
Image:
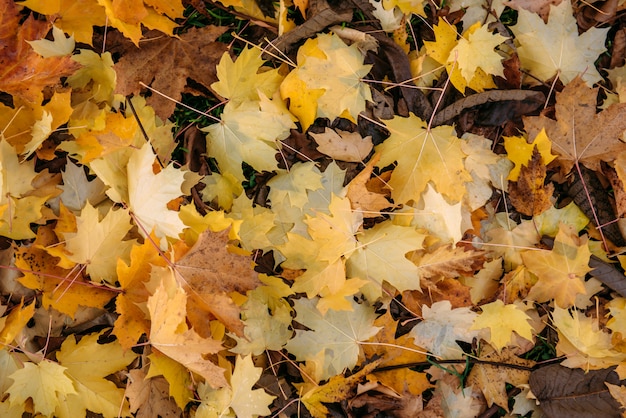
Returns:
(417, 214)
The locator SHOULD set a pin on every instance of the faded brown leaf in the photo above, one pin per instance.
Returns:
(209, 273)
(529, 194)
(579, 134)
(166, 63)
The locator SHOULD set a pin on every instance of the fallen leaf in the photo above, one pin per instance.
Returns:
(194, 55)
(25, 73)
(580, 134)
(343, 145)
(529, 194)
(574, 393)
(210, 271)
(170, 335)
(362, 199)
(555, 48)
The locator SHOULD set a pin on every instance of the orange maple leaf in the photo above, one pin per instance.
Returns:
(23, 72)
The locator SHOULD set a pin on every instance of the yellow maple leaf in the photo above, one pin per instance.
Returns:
(503, 320)
(326, 63)
(380, 257)
(87, 363)
(554, 48)
(242, 80)
(118, 132)
(471, 60)
(248, 132)
(170, 334)
(423, 155)
(337, 389)
(176, 374)
(520, 151)
(15, 321)
(98, 243)
(18, 122)
(128, 16)
(63, 289)
(75, 17)
(397, 351)
(560, 271)
(475, 50)
(45, 383)
(94, 81)
(583, 342)
(132, 321)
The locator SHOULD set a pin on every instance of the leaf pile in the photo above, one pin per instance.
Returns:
(409, 214)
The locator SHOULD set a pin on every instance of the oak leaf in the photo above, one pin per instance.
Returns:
(579, 134)
(193, 56)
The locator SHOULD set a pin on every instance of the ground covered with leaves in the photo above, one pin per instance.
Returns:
(312, 208)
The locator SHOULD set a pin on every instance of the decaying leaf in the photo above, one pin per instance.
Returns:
(210, 271)
(573, 392)
(580, 134)
(529, 194)
(194, 55)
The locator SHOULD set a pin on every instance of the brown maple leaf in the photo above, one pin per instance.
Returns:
(23, 72)
(579, 134)
(209, 273)
(166, 63)
(529, 194)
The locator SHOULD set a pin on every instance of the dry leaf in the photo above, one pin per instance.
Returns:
(194, 55)
(343, 145)
(210, 271)
(529, 194)
(361, 198)
(579, 134)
